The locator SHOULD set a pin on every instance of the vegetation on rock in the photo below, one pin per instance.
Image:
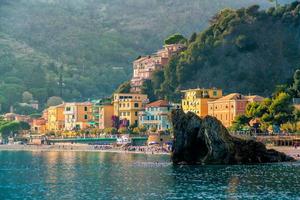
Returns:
(246, 50)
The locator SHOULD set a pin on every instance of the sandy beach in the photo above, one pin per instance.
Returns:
(291, 151)
(78, 148)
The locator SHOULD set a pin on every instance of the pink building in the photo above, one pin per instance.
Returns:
(144, 67)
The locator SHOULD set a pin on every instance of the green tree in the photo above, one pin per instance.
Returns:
(124, 88)
(27, 97)
(281, 109)
(296, 83)
(54, 101)
(147, 88)
(193, 38)
(175, 39)
(12, 128)
(123, 130)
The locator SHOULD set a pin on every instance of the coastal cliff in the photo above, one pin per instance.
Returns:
(207, 141)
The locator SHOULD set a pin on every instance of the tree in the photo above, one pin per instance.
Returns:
(111, 131)
(24, 109)
(193, 38)
(27, 97)
(296, 83)
(124, 88)
(115, 121)
(281, 109)
(123, 130)
(136, 130)
(54, 101)
(175, 39)
(13, 127)
(147, 88)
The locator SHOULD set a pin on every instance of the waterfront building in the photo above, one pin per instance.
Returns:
(144, 67)
(106, 112)
(227, 108)
(156, 115)
(78, 115)
(56, 118)
(196, 100)
(127, 106)
(39, 126)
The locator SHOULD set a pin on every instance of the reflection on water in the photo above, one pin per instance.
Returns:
(80, 175)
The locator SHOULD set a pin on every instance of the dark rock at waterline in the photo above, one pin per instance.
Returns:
(207, 141)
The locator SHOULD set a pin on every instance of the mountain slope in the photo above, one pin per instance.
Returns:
(95, 40)
(244, 50)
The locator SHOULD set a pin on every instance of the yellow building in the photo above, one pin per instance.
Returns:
(105, 116)
(127, 106)
(227, 108)
(55, 118)
(196, 100)
(78, 115)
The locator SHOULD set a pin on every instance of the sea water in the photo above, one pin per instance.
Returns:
(92, 175)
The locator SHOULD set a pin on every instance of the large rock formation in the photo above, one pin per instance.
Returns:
(207, 141)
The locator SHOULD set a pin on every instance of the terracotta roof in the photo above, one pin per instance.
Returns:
(255, 98)
(232, 96)
(159, 103)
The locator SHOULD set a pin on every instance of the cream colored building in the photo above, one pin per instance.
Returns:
(78, 115)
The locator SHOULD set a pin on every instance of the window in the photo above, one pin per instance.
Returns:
(85, 117)
(136, 113)
(136, 105)
(68, 108)
(215, 93)
(85, 109)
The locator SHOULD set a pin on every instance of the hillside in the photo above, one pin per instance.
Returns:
(95, 41)
(245, 50)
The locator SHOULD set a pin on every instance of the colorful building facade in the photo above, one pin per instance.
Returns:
(106, 112)
(55, 118)
(39, 126)
(127, 106)
(227, 108)
(156, 115)
(196, 100)
(78, 115)
(144, 67)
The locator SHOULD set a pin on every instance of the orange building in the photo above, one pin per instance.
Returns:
(196, 100)
(39, 126)
(106, 111)
(78, 115)
(227, 108)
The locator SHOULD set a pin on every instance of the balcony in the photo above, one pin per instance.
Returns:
(69, 112)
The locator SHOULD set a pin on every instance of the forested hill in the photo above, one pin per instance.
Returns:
(246, 50)
(95, 41)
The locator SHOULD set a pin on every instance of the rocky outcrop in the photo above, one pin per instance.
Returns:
(207, 141)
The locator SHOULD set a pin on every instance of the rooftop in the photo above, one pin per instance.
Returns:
(159, 103)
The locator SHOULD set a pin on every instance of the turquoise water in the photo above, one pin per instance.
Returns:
(79, 175)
